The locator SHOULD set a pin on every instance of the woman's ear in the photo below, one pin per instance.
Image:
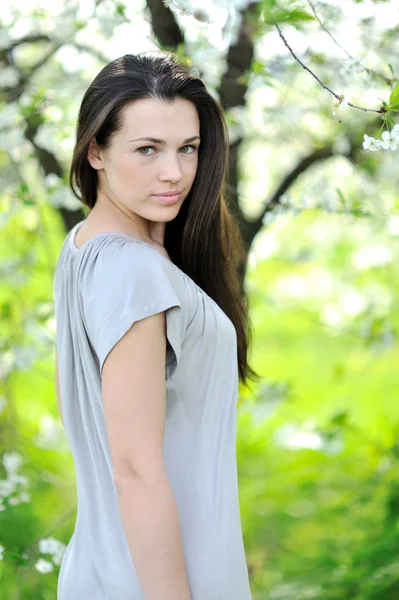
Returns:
(94, 155)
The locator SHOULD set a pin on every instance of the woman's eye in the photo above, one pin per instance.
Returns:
(143, 148)
(192, 147)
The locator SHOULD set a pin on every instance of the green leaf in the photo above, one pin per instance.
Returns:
(388, 120)
(340, 418)
(120, 9)
(257, 66)
(341, 196)
(298, 15)
(394, 97)
(273, 16)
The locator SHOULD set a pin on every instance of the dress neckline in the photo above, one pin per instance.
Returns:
(77, 250)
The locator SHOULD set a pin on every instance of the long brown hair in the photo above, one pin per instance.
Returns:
(203, 240)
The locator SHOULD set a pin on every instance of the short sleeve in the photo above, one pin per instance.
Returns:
(123, 283)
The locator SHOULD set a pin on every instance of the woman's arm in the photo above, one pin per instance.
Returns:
(134, 400)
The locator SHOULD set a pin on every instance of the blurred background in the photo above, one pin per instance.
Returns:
(318, 436)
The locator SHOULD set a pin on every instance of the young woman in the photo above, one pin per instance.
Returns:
(152, 339)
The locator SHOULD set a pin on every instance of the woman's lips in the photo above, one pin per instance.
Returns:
(167, 199)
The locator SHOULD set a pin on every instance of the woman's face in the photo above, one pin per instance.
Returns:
(132, 172)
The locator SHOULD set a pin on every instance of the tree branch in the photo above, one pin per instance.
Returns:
(17, 90)
(382, 110)
(29, 39)
(164, 24)
(50, 164)
(312, 158)
(369, 71)
(96, 53)
(239, 59)
(232, 93)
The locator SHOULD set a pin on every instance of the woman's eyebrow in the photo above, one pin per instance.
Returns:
(157, 141)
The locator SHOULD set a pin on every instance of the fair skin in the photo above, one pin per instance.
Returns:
(131, 172)
(133, 376)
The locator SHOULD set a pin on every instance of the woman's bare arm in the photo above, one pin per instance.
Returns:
(134, 399)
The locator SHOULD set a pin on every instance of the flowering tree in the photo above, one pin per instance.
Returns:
(224, 41)
(274, 67)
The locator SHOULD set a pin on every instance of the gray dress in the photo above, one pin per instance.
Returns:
(100, 290)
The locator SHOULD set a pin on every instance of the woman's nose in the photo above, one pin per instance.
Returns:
(171, 169)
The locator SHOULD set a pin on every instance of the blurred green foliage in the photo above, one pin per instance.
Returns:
(317, 438)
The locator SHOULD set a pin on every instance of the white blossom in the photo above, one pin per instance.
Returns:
(54, 547)
(46, 138)
(218, 4)
(305, 435)
(52, 180)
(12, 461)
(1, 551)
(314, 284)
(9, 77)
(44, 566)
(371, 143)
(14, 500)
(51, 434)
(6, 359)
(57, 556)
(25, 99)
(331, 315)
(394, 141)
(48, 545)
(14, 482)
(388, 142)
(351, 303)
(108, 18)
(395, 132)
(64, 24)
(7, 487)
(19, 479)
(5, 39)
(352, 67)
(24, 497)
(9, 115)
(63, 197)
(372, 256)
(12, 139)
(182, 6)
(24, 357)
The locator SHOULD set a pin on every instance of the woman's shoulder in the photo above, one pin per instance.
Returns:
(116, 260)
(85, 237)
(117, 250)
